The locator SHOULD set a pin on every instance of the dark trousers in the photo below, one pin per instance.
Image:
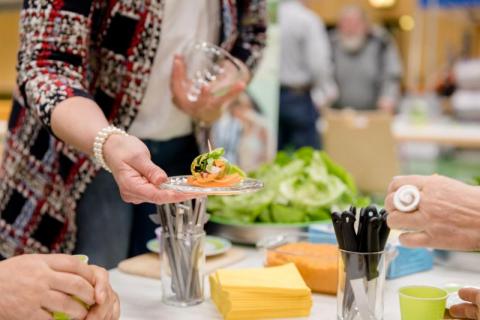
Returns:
(297, 120)
(110, 230)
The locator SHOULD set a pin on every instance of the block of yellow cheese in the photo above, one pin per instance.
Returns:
(317, 263)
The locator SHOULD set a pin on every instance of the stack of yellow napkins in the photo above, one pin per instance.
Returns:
(275, 292)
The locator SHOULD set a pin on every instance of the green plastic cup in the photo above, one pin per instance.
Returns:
(422, 302)
(60, 315)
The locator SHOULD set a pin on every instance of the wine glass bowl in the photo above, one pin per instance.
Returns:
(208, 64)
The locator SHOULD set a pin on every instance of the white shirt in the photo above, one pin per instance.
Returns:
(305, 50)
(184, 21)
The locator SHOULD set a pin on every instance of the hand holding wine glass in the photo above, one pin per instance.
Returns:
(204, 78)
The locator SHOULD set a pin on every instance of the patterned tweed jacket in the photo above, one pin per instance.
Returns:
(100, 49)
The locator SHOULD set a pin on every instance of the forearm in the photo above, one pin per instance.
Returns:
(77, 121)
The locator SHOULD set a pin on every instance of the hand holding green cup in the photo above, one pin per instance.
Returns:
(61, 315)
(422, 302)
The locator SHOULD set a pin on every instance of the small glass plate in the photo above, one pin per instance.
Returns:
(214, 246)
(179, 183)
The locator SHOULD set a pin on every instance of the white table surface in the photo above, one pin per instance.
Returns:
(461, 134)
(141, 297)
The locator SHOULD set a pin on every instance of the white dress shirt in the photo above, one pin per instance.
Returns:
(184, 21)
(305, 51)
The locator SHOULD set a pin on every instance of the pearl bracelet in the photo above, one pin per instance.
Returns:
(100, 140)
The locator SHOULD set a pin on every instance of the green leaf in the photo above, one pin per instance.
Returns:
(337, 170)
(318, 214)
(305, 154)
(235, 169)
(299, 187)
(265, 216)
(216, 153)
(282, 158)
(287, 214)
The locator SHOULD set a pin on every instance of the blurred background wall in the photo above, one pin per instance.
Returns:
(8, 45)
(417, 32)
(424, 52)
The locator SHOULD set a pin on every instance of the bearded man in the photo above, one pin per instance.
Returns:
(367, 66)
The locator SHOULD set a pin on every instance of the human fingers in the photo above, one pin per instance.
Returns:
(150, 193)
(232, 93)
(470, 294)
(178, 78)
(464, 311)
(72, 284)
(170, 196)
(413, 221)
(69, 264)
(102, 284)
(415, 239)
(56, 301)
(399, 181)
(146, 168)
(204, 100)
(388, 203)
(99, 312)
(116, 308)
(42, 314)
(110, 309)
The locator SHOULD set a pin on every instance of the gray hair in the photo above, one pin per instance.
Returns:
(355, 9)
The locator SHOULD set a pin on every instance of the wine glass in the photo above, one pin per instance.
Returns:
(208, 64)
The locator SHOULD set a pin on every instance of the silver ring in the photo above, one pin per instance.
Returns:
(407, 198)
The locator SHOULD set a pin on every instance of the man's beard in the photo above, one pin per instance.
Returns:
(352, 44)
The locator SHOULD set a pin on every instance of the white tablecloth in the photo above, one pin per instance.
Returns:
(461, 134)
(141, 297)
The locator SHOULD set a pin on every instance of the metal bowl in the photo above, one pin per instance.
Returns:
(251, 233)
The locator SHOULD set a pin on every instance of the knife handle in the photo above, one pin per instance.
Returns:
(348, 231)
(384, 232)
(337, 226)
(362, 230)
(373, 245)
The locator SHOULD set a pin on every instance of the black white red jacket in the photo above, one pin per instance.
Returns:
(102, 50)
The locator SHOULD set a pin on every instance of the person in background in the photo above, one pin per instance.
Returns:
(448, 217)
(305, 75)
(88, 71)
(367, 66)
(34, 285)
(244, 134)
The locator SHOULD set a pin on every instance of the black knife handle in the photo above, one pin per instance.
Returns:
(337, 226)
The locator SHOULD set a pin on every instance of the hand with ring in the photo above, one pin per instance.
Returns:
(447, 215)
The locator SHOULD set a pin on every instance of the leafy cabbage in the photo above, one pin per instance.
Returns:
(299, 187)
(476, 181)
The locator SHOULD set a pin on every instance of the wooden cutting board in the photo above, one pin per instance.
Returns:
(148, 265)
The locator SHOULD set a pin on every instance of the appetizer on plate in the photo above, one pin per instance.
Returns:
(211, 169)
